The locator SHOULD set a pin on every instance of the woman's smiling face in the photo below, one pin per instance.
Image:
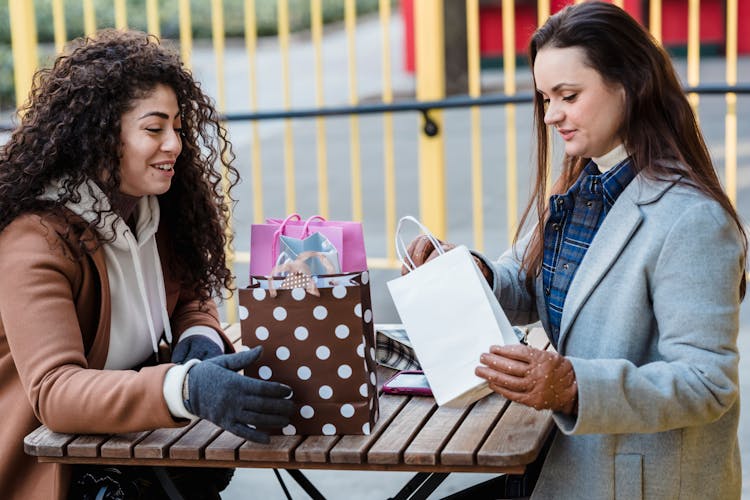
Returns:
(586, 111)
(150, 143)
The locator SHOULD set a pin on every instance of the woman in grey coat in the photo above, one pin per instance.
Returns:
(635, 268)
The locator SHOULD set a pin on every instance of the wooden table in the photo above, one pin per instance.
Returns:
(412, 434)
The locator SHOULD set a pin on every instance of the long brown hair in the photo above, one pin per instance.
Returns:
(69, 133)
(659, 126)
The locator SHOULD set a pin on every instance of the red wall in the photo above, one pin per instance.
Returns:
(674, 24)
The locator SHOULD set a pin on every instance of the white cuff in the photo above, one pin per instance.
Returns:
(172, 389)
(206, 331)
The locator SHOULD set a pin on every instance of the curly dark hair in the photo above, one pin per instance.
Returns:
(69, 133)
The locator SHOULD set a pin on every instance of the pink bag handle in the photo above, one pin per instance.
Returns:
(280, 231)
(306, 227)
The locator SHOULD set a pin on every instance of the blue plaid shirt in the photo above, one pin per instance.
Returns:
(574, 219)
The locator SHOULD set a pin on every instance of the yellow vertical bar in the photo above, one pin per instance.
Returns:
(251, 43)
(619, 3)
(316, 28)
(388, 150)
(58, 20)
(283, 29)
(730, 120)
(509, 77)
(654, 15)
(693, 51)
(152, 17)
(472, 44)
(542, 11)
(217, 37)
(186, 33)
(89, 17)
(430, 70)
(350, 21)
(121, 14)
(283, 36)
(24, 46)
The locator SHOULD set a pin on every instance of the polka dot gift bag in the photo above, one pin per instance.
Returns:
(317, 336)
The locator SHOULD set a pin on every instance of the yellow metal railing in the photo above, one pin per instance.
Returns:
(475, 90)
(430, 82)
(430, 85)
(509, 84)
(389, 168)
(730, 121)
(316, 31)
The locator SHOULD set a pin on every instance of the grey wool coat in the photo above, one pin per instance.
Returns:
(650, 325)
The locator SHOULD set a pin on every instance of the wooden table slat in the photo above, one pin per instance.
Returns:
(190, 445)
(44, 442)
(87, 445)
(394, 440)
(353, 449)
(224, 447)
(157, 443)
(468, 438)
(280, 449)
(491, 436)
(315, 448)
(517, 438)
(426, 446)
(121, 445)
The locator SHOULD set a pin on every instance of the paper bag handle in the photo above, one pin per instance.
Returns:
(280, 231)
(306, 227)
(401, 247)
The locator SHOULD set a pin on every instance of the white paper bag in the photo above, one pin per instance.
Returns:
(451, 317)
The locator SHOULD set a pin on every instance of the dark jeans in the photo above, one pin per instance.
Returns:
(94, 482)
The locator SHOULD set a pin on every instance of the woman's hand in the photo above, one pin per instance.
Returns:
(195, 347)
(540, 379)
(422, 250)
(213, 390)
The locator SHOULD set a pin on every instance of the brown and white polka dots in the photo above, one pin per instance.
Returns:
(323, 347)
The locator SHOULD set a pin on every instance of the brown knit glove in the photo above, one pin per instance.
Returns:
(540, 379)
(422, 250)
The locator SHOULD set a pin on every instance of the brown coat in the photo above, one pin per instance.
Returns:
(54, 338)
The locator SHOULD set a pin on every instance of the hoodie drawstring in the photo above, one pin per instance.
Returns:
(162, 295)
(142, 288)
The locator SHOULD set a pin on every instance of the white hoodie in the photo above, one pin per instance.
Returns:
(136, 281)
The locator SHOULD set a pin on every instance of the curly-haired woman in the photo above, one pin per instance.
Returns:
(635, 268)
(112, 235)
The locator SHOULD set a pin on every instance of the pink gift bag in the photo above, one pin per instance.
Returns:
(264, 240)
(352, 250)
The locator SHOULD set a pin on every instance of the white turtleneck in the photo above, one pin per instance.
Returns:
(609, 160)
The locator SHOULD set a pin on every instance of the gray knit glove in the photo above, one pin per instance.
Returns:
(195, 347)
(216, 392)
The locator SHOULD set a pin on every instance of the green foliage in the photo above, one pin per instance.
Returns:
(7, 94)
